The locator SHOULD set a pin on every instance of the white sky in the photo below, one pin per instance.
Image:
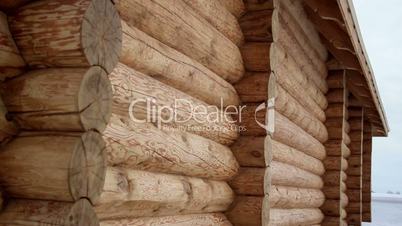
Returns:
(381, 26)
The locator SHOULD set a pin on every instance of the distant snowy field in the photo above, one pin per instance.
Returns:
(386, 210)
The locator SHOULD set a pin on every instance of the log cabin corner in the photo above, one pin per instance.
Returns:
(185, 112)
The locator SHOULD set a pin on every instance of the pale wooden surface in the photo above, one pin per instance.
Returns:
(130, 85)
(89, 34)
(152, 57)
(213, 219)
(62, 99)
(187, 32)
(143, 146)
(236, 7)
(133, 193)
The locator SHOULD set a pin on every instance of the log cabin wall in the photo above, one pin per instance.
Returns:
(337, 150)
(366, 171)
(79, 157)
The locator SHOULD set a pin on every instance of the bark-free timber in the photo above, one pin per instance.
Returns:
(288, 175)
(130, 85)
(11, 62)
(256, 26)
(226, 23)
(249, 151)
(63, 99)
(187, 32)
(299, 85)
(8, 128)
(151, 57)
(287, 217)
(257, 5)
(24, 212)
(283, 197)
(249, 181)
(89, 33)
(246, 211)
(256, 56)
(133, 193)
(285, 131)
(64, 167)
(215, 219)
(235, 7)
(254, 88)
(143, 146)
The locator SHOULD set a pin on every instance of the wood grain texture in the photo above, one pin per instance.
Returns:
(60, 99)
(282, 197)
(187, 32)
(288, 175)
(25, 212)
(256, 56)
(8, 128)
(57, 167)
(236, 7)
(295, 216)
(130, 85)
(246, 211)
(133, 193)
(256, 26)
(213, 219)
(226, 23)
(145, 147)
(151, 57)
(11, 62)
(89, 33)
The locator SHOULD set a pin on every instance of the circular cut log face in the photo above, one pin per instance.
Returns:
(95, 99)
(82, 214)
(101, 34)
(88, 167)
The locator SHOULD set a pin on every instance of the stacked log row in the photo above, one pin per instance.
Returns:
(366, 171)
(337, 150)
(256, 89)
(355, 162)
(280, 149)
(62, 104)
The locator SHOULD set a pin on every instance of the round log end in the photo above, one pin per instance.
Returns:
(82, 214)
(95, 99)
(102, 34)
(88, 167)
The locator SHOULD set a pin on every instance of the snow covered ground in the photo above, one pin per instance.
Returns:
(386, 210)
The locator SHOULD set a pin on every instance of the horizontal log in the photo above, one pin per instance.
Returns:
(8, 128)
(12, 63)
(336, 95)
(89, 34)
(170, 107)
(133, 193)
(315, 99)
(332, 192)
(217, 219)
(295, 216)
(304, 30)
(246, 211)
(333, 221)
(354, 195)
(185, 31)
(335, 110)
(354, 207)
(290, 197)
(336, 79)
(145, 147)
(334, 177)
(235, 7)
(57, 167)
(354, 219)
(285, 154)
(256, 26)
(250, 181)
(297, 113)
(249, 151)
(337, 148)
(282, 34)
(151, 57)
(24, 212)
(288, 133)
(69, 99)
(354, 182)
(257, 5)
(335, 163)
(226, 23)
(287, 175)
(254, 88)
(332, 207)
(256, 56)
